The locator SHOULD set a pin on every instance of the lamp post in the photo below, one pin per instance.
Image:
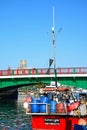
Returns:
(54, 47)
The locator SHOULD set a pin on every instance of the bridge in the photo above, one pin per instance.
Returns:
(11, 79)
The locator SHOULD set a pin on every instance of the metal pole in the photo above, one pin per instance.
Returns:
(54, 46)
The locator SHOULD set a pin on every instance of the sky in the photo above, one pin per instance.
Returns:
(26, 33)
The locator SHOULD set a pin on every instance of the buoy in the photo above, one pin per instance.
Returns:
(25, 105)
(26, 102)
(28, 110)
(28, 99)
(73, 106)
(82, 121)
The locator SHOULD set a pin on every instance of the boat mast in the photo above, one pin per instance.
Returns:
(54, 47)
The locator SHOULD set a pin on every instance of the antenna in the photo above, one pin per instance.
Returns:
(54, 46)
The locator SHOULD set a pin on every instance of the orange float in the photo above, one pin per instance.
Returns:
(82, 121)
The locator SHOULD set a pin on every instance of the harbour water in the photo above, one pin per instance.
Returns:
(13, 116)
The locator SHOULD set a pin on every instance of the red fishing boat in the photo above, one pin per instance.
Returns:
(57, 107)
(55, 110)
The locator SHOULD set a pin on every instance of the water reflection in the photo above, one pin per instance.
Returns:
(13, 116)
